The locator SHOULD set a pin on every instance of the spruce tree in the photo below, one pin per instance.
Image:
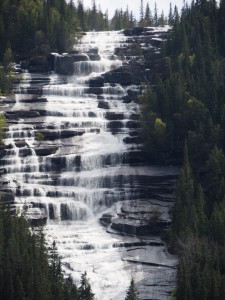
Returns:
(85, 292)
(132, 292)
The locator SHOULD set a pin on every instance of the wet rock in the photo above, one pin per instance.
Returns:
(103, 104)
(115, 124)
(114, 116)
(95, 90)
(39, 64)
(20, 143)
(25, 152)
(93, 54)
(51, 211)
(2, 171)
(132, 140)
(36, 216)
(96, 130)
(65, 212)
(96, 82)
(35, 100)
(45, 150)
(136, 31)
(54, 134)
(106, 219)
(4, 148)
(131, 96)
(64, 63)
(11, 115)
(137, 227)
(123, 76)
(6, 197)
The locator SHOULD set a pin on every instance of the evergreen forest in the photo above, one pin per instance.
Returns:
(29, 269)
(184, 108)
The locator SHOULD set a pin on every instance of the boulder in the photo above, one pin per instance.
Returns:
(122, 76)
(96, 82)
(45, 150)
(103, 104)
(64, 63)
(39, 64)
(25, 152)
(20, 143)
(6, 197)
(36, 216)
(106, 219)
(112, 116)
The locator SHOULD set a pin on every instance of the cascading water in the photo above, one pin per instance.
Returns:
(70, 163)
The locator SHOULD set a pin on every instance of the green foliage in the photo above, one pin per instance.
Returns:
(132, 292)
(7, 60)
(187, 103)
(26, 270)
(39, 136)
(2, 127)
(5, 82)
(36, 27)
(85, 292)
(189, 98)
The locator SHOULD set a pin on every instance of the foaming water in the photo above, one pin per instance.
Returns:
(68, 160)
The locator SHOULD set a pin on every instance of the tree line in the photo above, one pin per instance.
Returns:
(29, 269)
(184, 108)
(32, 270)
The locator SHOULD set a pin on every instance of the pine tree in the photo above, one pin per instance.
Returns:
(155, 15)
(141, 13)
(85, 292)
(148, 16)
(132, 292)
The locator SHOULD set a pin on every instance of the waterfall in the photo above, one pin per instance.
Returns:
(76, 158)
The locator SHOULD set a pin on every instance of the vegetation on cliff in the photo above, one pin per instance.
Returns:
(31, 270)
(187, 102)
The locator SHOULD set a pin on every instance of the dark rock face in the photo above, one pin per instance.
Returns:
(25, 152)
(45, 150)
(137, 228)
(103, 104)
(64, 63)
(39, 64)
(135, 31)
(96, 82)
(139, 218)
(6, 197)
(124, 76)
(36, 216)
(63, 134)
(12, 115)
(93, 54)
(3, 149)
(106, 219)
(20, 143)
(114, 116)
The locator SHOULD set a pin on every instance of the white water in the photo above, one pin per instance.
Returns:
(86, 176)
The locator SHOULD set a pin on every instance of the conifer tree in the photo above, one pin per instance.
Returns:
(85, 292)
(141, 13)
(155, 15)
(132, 292)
